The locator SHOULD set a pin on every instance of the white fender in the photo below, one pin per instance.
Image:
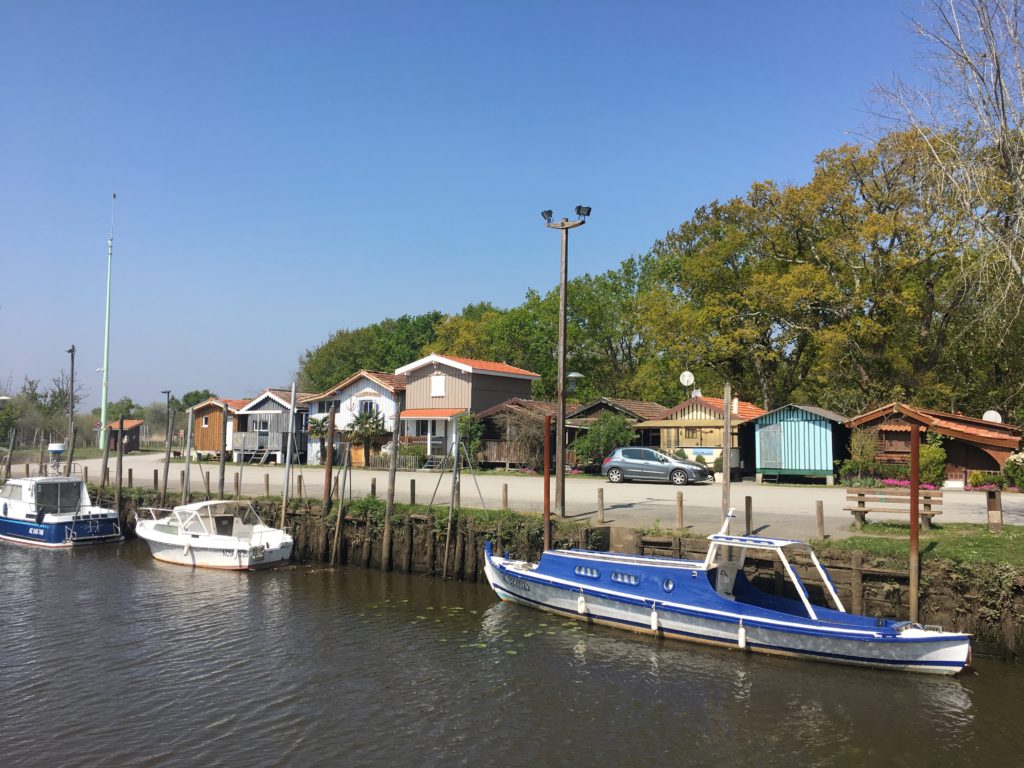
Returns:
(184, 551)
(654, 618)
(581, 605)
(741, 635)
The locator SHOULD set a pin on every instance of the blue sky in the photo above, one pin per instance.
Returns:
(284, 170)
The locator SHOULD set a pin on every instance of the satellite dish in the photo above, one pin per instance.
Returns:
(992, 416)
(686, 378)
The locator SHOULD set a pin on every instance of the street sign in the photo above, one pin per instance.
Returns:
(97, 424)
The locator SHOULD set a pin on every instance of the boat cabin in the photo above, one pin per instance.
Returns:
(43, 496)
(212, 518)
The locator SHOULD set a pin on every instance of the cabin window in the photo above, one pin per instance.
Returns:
(586, 570)
(668, 585)
(11, 492)
(437, 385)
(626, 578)
(206, 421)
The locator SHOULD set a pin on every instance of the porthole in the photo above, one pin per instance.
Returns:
(586, 570)
(626, 578)
(668, 585)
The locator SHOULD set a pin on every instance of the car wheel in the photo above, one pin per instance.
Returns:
(614, 475)
(678, 477)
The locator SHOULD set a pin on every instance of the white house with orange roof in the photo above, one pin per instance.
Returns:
(362, 392)
(440, 387)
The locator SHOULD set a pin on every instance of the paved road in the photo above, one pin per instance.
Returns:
(781, 511)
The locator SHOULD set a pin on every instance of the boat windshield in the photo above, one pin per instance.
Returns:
(61, 497)
(225, 518)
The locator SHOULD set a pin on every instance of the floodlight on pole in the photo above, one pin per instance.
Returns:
(564, 225)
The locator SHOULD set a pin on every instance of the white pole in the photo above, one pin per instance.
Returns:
(106, 328)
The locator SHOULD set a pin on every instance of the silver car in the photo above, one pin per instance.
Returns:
(649, 464)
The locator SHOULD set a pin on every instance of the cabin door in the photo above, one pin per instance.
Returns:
(770, 444)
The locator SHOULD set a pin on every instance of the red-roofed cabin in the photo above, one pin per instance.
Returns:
(132, 434)
(972, 444)
(696, 426)
(440, 387)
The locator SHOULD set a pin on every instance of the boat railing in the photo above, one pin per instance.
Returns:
(151, 512)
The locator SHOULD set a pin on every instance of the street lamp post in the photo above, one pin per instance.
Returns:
(71, 396)
(564, 225)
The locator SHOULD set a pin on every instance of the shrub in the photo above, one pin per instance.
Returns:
(717, 466)
(700, 459)
(933, 463)
(976, 479)
(605, 435)
(1014, 469)
(681, 453)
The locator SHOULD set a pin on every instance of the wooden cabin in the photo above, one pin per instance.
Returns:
(438, 388)
(263, 428)
(697, 426)
(973, 444)
(363, 391)
(635, 412)
(800, 441)
(132, 437)
(208, 424)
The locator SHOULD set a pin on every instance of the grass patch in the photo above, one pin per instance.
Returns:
(956, 542)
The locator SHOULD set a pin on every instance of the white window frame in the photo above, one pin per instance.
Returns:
(437, 384)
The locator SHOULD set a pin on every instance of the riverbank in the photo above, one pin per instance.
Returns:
(983, 595)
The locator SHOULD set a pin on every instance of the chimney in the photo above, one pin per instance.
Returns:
(736, 406)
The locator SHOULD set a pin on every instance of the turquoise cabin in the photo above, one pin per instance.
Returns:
(800, 441)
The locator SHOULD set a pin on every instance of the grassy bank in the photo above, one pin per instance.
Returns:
(955, 542)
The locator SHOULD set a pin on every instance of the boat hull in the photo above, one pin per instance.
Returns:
(914, 651)
(220, 559)
(61, 534)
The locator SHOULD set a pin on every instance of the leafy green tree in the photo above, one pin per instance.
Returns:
(195, 397)
(471, 433)
(609, 431)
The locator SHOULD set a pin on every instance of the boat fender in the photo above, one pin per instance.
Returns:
(741, 636)
(581, 605)
(654, 618)
(185, 550)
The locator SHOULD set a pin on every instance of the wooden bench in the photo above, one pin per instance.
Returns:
(893, 501)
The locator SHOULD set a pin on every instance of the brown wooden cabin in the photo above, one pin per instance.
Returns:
(635, 411)
(209, 419)
(132, 434)
(972, 444)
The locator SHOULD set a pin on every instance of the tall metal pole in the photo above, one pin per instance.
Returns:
(915, 497)
(187, 487)
(389, 507)
(565, 225)
(106, 326)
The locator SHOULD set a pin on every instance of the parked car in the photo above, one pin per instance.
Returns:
(649, 464)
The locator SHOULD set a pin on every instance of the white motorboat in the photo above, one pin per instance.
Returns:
(223, 534)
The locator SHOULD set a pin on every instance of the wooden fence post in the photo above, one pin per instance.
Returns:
(600, 506)
(748, 509)
(819, 511)
(156, 479)
(679, 510)
(266, 484)
(373, 487)
(412, 493)
(857, 583)
(130, 481)
(504, 495)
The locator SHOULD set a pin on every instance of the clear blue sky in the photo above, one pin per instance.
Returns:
(284, 170)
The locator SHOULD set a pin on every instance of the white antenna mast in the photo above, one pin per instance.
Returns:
(106, 329)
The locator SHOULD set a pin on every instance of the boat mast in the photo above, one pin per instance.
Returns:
(106, 328)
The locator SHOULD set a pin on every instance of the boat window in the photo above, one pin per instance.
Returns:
(58, 498)
(11, 492)
(626, 578)
(668, 585)
(586, 570)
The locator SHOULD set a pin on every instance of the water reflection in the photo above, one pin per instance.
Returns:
(154, 663)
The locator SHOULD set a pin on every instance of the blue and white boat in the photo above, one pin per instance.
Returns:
(54, 512)
(713, 602)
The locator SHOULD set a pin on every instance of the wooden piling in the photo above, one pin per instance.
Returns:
(857, 583)
(412, 491)
(181, 482)
(408, 544)
(299, 487)
(156, 479)
(266, 484)
(600, 506)
(238, 489)
(431, 546)
(470, 571)
(748, 511)
(131, 483)
(819, 511)
(85, 475)
(459, 568)
(373, 487)
(504, 495)
(679, 511)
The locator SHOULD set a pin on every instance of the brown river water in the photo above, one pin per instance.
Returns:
(114, 659)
